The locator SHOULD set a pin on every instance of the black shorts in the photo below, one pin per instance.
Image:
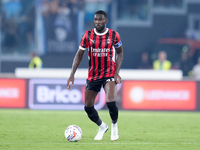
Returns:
(96, 85)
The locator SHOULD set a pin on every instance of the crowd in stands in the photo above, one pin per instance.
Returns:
(188, 65)
(18, 19)
(17, 25)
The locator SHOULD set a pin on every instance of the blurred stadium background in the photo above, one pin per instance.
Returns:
(53, 29)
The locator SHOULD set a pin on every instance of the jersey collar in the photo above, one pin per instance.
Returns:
(95, 31)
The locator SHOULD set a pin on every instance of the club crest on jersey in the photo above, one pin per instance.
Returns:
(108, 40)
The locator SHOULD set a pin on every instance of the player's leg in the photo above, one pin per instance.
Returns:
(90, 96)
(111, 94)
(89, 106)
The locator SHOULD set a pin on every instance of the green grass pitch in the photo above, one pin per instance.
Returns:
(24, 129)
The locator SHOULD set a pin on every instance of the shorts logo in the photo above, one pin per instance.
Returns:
(108, 80)
(111, 79)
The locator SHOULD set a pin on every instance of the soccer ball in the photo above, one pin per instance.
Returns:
(73, 133)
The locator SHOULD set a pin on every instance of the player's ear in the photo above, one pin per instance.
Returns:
(106, 21)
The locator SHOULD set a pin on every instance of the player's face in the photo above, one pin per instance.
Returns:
(100, 22)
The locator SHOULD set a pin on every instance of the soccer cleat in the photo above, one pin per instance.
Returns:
(103, 128)
(114, 132)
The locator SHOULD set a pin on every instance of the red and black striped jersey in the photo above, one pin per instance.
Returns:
(101, 52)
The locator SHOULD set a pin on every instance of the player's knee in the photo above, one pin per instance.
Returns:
(88, 104)
(110, 99)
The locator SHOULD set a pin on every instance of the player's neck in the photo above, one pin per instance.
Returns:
(104, 31)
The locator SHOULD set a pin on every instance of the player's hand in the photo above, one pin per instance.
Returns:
(117, 78)
(70, 82)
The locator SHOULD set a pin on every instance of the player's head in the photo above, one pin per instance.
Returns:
(100, 20)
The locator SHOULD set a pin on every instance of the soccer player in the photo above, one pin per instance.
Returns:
(103, 44)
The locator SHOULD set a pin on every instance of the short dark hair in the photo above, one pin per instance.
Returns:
(101, 12)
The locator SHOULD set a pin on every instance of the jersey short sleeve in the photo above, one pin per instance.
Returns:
(117, 42)
(84, 41)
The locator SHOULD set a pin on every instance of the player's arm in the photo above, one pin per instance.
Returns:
(119, 60)
(77, 59)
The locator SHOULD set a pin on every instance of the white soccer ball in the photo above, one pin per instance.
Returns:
(73, 133)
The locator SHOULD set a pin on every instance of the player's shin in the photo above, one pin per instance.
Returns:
(93, 115)
(113, 110)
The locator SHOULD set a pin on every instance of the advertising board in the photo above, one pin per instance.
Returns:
(159, 95)
(12, 93)
(53, 94)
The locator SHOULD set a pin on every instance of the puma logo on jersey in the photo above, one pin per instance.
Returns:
(92, 40)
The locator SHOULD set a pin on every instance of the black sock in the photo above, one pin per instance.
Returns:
(113, 110)
(93, 115)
